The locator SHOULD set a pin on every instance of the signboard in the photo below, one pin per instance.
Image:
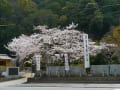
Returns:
(13, 71)
(67, 68)
(86, 51)
(37, 59)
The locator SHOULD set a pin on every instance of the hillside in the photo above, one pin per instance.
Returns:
(95, 17)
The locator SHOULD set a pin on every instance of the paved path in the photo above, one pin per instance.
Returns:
(71, 85)
(54, 88)
(12, 82)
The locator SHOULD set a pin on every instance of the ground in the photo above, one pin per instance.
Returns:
(54, 88)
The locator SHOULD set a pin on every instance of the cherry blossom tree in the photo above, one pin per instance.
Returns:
(53, 43)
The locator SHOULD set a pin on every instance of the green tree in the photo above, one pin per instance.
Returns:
(45, 17)
(91, 19)
(99, 59)
(113, 36)
(6, 11)
(26, 6)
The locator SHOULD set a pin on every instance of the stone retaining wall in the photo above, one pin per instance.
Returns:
(77, 70)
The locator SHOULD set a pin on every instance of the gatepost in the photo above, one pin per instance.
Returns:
(37, 60)
(67, 68)
(86, 54)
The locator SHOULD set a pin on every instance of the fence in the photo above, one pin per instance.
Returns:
(79, 71)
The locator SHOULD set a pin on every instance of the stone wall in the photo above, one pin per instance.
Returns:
(101, 70)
